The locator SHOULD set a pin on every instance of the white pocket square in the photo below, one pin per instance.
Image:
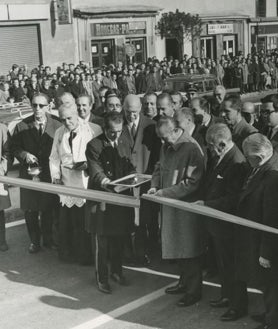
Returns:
(219, 177)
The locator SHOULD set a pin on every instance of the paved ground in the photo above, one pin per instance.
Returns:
(39, 292)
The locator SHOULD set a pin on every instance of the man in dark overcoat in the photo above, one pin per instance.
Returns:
(256, 253)
(178, 176)
(231, 113)
(222, 183)
(31, 145)
(4, 196)
(109, 158)
(145, 145)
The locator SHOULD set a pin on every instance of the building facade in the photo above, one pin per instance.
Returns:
(110, 34)
(33, 33)
(102, 31)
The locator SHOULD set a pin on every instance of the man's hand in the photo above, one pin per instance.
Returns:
(30, 158)
(152, 190)
(80, 166)
(57, 181)
(104, 183)
(199, 202)
(265, 263)
(159, 193)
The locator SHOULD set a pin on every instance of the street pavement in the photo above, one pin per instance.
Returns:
(39, 292)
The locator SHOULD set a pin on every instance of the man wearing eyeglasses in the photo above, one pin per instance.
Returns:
(31, 145)
(113, 103)
(269, 115)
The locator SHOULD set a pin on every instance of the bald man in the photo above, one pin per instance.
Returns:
(145, 146)
(249, 113)
(66, 98)
(217, 99)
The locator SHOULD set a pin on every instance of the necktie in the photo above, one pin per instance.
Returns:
(71, 138)
(269, 134)
(133, 131)
(250, 177)
(40, 129)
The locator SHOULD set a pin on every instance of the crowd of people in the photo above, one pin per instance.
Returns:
(217, 152)
(254, 72)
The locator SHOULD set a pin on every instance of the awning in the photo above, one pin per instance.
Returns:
(116, 11)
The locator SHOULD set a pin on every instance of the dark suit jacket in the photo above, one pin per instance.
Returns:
(240, 131)
(96, 119)
(4, 159)
(198, 136)
(203, 129)
(222, 185)
(258, 203)
(113, 163)
(142, 146)
(274, 141)
(25, 140)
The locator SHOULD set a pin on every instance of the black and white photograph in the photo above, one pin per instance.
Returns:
(138, 164)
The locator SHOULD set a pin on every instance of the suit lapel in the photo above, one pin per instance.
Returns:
(33, 130)
(49, 128)
(257, 179)
(139, 131)
(219, 168)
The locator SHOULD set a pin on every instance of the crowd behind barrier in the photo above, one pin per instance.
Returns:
(216, 152)
(255, 72)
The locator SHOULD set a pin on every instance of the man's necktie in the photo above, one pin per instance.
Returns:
(133, 131)
(250, 177)
(269, 133)
(71, 138)
(40, 129)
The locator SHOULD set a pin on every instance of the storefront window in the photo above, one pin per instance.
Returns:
(272, 42)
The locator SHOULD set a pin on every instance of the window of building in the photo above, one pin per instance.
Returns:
(261, 8)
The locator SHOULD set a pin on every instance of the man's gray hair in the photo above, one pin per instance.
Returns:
(66, 98)
(187, 112)
(68, 106)
(218, 132)
(257, 144)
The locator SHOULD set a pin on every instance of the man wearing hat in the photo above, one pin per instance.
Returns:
(191, 93)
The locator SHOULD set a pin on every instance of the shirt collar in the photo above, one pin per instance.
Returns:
(136, 122)
(206, 123)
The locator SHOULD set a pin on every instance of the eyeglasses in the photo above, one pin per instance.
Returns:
(267, 113)
(41, 106)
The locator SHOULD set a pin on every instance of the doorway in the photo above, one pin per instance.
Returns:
(102, 52)
(172, 48)
(140, 47)
(208, 47)
(229, 45)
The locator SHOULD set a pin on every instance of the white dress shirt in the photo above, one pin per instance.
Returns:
(62, 160)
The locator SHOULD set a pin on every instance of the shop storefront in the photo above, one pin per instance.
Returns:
(263, 34)
(103, 38)
(222, 36)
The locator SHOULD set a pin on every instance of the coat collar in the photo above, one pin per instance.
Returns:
(184, 138)
(271, 164)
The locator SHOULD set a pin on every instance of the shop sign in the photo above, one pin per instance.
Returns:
(107, 29)
(220, 28)
(64, 11)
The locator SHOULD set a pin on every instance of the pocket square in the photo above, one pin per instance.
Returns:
(219, 177)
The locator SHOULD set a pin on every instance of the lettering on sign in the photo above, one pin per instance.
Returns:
(220, 28)
(106, 29)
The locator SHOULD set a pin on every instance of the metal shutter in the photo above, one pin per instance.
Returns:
(19, 45)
